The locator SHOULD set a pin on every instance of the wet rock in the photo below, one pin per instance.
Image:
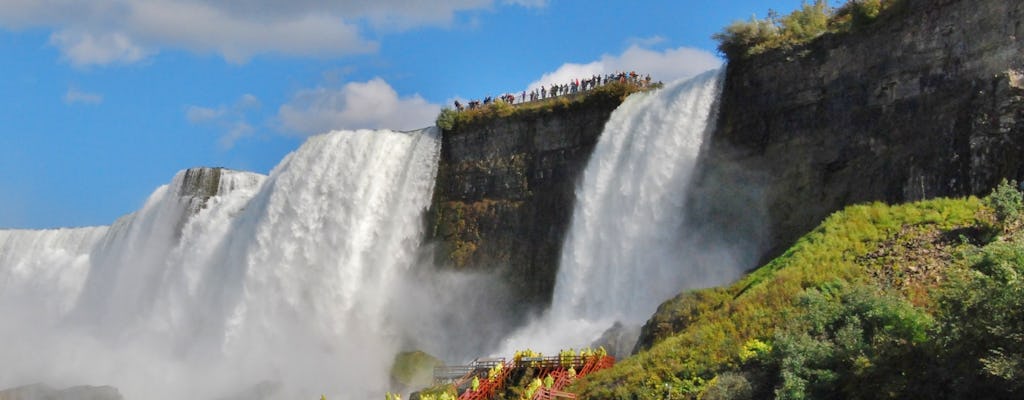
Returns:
(926, 104)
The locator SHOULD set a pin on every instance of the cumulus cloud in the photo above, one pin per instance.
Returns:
(99, 32)
(75, 96)
(373, 104)
(667, 65)
(231, 119)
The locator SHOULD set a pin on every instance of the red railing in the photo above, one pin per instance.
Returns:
(562, 378)
(556, 367)
(489, 385)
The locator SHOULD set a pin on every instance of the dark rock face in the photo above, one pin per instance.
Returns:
(43, 392)
(198, 186)
(505, 191)
(678, 313)
(924, 104)
(618, 340)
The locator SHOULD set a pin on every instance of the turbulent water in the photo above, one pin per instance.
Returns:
(627, 248)
(275, 287)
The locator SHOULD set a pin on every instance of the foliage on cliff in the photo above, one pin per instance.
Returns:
(923, 300)
(413, 369)
(746, 38)
(451, 120)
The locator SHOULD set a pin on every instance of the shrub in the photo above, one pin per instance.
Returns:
(1006, 201)
(745, 38)
(729, 386)
(806, 23)
(857, 344)
(981, 326)
(446, 119)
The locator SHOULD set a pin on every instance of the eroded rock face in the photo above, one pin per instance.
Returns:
(505, 191)
(928, 103)
(198, 186)
(43, 392)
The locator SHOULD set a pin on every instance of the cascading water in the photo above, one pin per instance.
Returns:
(45, 268)
(279, 284)
(235, 285)
(625, 251)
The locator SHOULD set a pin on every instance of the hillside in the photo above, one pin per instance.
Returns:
(921, 300)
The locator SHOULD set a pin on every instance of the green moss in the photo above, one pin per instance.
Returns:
(458, 224)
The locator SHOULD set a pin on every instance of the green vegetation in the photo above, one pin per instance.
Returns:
(922, 300)
(442, 392)
(1007, 202)
(746, 38)
(451, 120)
(414, 369)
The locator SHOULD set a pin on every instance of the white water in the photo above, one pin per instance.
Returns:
(280, 283)
(304, 282)
(626, 250)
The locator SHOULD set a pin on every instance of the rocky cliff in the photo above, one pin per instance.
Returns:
(925, 103)
(505, 189)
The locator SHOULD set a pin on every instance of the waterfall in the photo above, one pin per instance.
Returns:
(45, 269)
(626, 251)
(228, 284)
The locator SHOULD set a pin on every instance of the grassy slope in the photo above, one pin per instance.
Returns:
(892, 247)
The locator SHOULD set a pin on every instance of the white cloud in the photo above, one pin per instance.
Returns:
(647, 41)
(373, 104)
(99, 32)
(232, 119)
(75, 96)
(528, 3)
(84, 48)
(199, 115)
(666, 66)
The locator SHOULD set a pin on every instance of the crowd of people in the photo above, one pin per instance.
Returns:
(555, 90)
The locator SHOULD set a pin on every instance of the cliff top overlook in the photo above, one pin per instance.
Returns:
(560, 97)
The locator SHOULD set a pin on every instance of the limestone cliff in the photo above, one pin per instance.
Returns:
(922, 104)
(505, 189)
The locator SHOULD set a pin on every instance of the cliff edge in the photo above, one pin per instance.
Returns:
(505, 189)
(924, 104)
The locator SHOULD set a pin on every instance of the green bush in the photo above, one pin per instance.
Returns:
(729, 386)
(859, 343)
(806, 23)
(742, 39)
(1006, 201)
(980, 336)
(745, 38)
(446, 119)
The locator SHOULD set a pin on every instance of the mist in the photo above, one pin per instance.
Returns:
(304, 282)
(639, 233)
(311, 280)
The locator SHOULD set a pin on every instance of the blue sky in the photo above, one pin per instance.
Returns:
(104, 100)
